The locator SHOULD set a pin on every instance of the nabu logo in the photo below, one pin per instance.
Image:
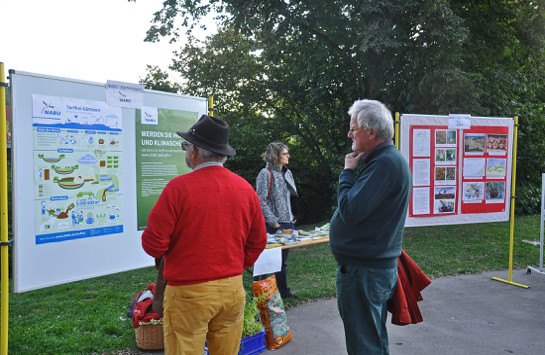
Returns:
(148, 118)
(123, 97)
(50, 109)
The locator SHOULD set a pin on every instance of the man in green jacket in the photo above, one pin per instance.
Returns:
(366, 230)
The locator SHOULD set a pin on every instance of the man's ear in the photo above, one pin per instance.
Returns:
(193, 153)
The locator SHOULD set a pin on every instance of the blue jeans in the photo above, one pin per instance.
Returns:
(362, 296)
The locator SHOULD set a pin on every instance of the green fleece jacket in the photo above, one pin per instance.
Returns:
(367, 227)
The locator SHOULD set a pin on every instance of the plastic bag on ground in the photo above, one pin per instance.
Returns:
(272, 313)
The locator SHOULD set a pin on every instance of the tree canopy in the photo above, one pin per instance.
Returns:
(288, 71)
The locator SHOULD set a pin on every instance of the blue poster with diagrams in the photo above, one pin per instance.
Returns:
(77, 168)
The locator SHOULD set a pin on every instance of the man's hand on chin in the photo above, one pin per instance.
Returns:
(352, 159)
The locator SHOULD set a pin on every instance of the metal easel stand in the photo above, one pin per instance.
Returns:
(4, 243)
(512, 213)
(530, 268)
(540, 271)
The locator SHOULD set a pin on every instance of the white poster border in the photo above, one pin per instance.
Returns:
(409, 120)
(37, 266)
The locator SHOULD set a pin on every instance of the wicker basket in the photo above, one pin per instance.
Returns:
(150, 337)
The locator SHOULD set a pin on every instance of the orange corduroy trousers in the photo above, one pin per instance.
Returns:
(211, 311)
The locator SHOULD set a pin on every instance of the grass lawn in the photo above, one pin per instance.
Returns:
(90, 316)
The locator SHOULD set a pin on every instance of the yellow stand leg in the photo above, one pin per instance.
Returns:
(211, 106)
(396, 134)
(4, 267)
(512, 213)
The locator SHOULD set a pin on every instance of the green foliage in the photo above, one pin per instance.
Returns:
(252, 325)
(80, 317)
(530, 162)
(288, 71)
(157, 79)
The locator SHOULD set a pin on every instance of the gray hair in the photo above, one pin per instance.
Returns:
(373, 114)
(272, 154)
(210, 156)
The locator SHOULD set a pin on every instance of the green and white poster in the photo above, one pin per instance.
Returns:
(159, 157)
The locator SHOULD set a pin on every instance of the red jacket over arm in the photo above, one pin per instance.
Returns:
(411, 280)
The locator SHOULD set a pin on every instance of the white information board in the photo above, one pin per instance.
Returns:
(461, 169)
(74, 179)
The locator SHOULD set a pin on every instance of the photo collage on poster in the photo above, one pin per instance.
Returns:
(434, 164)
(441, 158)
(484, 167)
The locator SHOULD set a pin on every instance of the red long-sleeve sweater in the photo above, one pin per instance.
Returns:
(207, 224)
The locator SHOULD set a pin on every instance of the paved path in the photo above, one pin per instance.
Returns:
(462, 315)
(471, 314)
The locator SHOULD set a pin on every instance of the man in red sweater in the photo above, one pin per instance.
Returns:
(209, 228)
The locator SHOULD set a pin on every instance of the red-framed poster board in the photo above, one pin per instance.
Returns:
(461, 170)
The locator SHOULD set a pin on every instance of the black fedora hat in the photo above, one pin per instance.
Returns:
(211, 134)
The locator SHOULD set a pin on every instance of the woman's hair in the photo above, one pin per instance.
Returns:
(272, 154)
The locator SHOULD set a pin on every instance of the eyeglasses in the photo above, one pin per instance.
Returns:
(185, 145)
(286, 153)
(352, 130)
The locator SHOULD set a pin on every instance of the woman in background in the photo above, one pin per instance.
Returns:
(278, 196)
